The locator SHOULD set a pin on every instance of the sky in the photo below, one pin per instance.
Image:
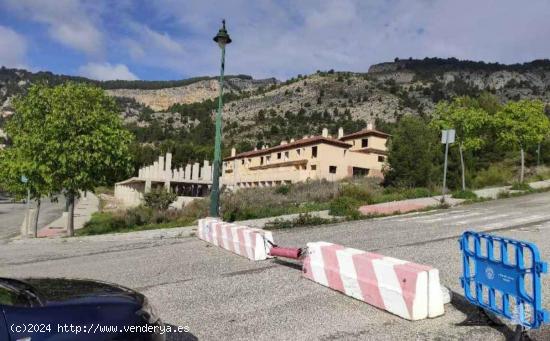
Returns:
(172, 39)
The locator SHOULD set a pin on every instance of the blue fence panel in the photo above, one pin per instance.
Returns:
(502, 275)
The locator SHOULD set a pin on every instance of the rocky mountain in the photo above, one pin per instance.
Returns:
(387, 91)
(157, 95)
(162, 99)
(268, 111)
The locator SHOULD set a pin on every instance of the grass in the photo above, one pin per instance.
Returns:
(143, 218)
(464, 194)
(305, 219)
(495, 175)
(520, 186)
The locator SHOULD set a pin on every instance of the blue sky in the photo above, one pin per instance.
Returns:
(172, 39)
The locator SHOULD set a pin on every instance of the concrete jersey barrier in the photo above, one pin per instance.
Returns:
(248, 242)
(411, 291)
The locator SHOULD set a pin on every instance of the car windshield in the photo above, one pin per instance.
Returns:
(14, 295)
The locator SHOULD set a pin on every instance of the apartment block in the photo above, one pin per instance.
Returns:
(362, 153)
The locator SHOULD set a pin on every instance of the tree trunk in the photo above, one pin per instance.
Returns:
(35, 220)
(70, 216)
(462, 166)
(521, 174)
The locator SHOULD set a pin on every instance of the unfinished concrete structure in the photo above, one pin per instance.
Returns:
(189, 182)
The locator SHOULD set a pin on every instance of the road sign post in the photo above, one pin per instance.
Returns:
(26, 223)
(447, 137)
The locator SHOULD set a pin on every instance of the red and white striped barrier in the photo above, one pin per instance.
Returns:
(248, 242)
(406, 289)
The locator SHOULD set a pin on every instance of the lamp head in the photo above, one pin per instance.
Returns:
(222, 38)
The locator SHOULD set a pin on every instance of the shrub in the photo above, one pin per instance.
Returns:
(304, 219)
(355, 192)
(283, 189)
(159, 198)
(521, 186)
(196, 209)
(496, 174)
(503, 194)
(467, 194)
(140, 215)
(343, 206)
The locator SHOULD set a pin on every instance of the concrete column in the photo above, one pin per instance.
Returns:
(147, 186)
(140, 173)
(181, 174)
(206, 171)
(161, 167)
(196, 167)
(156, 170)
(168, 166)
(187, 172)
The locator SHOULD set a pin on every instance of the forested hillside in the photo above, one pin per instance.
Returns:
(177, 115)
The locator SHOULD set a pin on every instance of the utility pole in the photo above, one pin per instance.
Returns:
(222, 38)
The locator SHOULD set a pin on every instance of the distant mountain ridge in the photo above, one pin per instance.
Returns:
(268, 111)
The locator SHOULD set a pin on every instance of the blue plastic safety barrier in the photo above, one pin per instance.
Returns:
(502, 275)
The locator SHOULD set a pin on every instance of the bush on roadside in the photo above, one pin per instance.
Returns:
(503, 194)
(159, 198)
(358, 193)
(494, 175)
(521, 186)
(304, 219)
(283, 189)
(343, 206)
(466, 194)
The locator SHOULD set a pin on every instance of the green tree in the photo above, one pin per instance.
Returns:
(75, 137)
(413, 154)
(16, 162)
(159, 199)
(522, 124)
(470, 122)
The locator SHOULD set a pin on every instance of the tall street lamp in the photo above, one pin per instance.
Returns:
(222, 38)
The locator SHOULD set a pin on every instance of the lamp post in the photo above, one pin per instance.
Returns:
(222, 38)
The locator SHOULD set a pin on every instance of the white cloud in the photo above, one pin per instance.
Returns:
(285, 38)
(106, 71)
(69, 22)
(13, 48)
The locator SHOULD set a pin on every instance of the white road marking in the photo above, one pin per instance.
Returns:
(482, 219)
(452, 217)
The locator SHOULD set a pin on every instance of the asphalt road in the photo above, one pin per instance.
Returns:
(12, 215)
(221, 296)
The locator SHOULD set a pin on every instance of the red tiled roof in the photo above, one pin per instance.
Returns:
(299, 143)
(369, 150)
(364, 132)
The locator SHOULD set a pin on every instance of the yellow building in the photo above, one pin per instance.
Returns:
(362, 153)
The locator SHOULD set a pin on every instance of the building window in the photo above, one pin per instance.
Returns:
(267, 159)
(261, 160)
(278, 156)
(242, 162)
(313, 167)
(298, 151)
(332, 169)
(286, 155)
(249, 161)
(381, 158)
(357, 171)
(364, 143)
(314, 151)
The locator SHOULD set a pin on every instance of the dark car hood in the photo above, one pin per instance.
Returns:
(51, 291)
